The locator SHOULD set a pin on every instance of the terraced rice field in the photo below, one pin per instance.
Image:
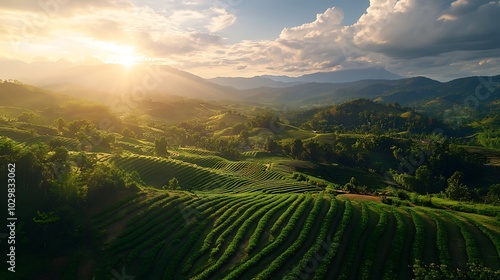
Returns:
(212, 174)
(19, 135)
(174, 235)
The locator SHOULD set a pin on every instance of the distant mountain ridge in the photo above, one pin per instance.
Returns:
(456, 97)
(343, 76)
(250, 83)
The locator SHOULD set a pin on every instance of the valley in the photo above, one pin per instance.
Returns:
(371, 186)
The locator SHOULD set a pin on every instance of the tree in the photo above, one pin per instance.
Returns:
(311, 150)
(60, 155)
(272, 146)
(267, 119)
(29, 117)
(161, 146)
(60, 124)
(351, 186)
(456, 190)
(128, 133)
(396, 151)
(173, 184)
(104, 180)
(80, 126)
(177, 134)
(493, 195)
(424, 175)
(85, 161)
(243, 136)
(107, 139)
(296, 148)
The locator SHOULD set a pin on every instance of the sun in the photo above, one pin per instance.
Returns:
(127, 61)
(121, 54)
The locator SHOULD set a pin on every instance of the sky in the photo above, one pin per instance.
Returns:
(442, 39)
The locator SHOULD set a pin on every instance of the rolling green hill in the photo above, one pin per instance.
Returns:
(366, 115)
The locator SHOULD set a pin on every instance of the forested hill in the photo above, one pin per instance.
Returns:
(363, 115)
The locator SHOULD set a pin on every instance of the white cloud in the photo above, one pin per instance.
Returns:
(419, 28)
(220, 20)
(208, 20)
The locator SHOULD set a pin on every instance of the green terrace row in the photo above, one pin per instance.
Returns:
(241, 168)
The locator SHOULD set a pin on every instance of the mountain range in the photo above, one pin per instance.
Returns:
(343, 76)
(100, 81)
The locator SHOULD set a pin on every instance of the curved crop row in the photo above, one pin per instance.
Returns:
(319, 243)
(234, 176)
(470, 243)
(16, 134)
(397, 247)
(245, 216)
(136, 207)
(278, 224)
(372, 243)
(494, 239)
(418, 242)
(189, 233)
(219, 224)
(161, 231)
(442, 238)
(268, 249)
(146, 239)
(196, 151)
(332, 251)
(187, 244)
(233, 246)
(254, 239)
(362, 226)
(304, 233)
(110, 210)
(141, 228)
(159, 170)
